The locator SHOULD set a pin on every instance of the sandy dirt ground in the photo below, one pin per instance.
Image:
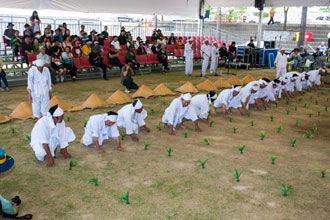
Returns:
(174, 186)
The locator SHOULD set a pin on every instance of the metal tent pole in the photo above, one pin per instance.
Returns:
(259, 37)
(302, 27)
(219, 24)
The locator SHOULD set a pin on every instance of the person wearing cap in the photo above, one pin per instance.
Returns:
(47, 63)
(87, 49)
(77, 49)
(179, 111)
(92, 35)
(96, 59)
(9, 32)
(214, 58)
(100, 128)
(201, 104)
(49, 133)
(206, 54)
(315, 77)
(97, 45)
(281, 63)
(189, 57)
(131, 118)
(225, 100)
(39, 88)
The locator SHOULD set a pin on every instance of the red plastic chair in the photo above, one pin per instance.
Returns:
(122, 59)
(123, 47)
(142, 59)
(152, 59)
(84, 61)
(178, 52)
(76, 62)
(32, 57)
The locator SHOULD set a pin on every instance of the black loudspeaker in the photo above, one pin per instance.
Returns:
(259, 4)
(207, 14)
(269, 44)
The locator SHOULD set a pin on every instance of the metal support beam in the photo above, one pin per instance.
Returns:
(218, 30)
(302, 27)
(156, 21)
(259, 37)
(200, 27)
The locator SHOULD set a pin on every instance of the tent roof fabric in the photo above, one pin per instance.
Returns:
(268, 3)
(248, 78)
(94, 101)
(4, 119)
(206, 85)
(162, 90)
(119, 97)
(222, 83)
(235, 81)
(144, 92)
(22, 111)
(187, 87)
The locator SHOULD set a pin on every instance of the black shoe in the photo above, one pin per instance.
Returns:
(105, 78)
(216, 74)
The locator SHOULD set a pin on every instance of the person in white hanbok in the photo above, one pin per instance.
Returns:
(301, 79)
(281, 89)
(206, 54)
(214, 58)
(260, 95)
(247, 94)
(131, 118)
(226, 100)
(50, 132)
(281, 63)
(39, 88)
(201, 104)
(315, 77)
(189, 57)
(270, 91)
(290, 83)
(306, 84)
(99, 128)
(178, 112)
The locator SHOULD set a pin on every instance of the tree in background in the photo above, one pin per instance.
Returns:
(327, 9)
(286, 9)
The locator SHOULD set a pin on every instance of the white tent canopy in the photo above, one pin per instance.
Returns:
(268, 3)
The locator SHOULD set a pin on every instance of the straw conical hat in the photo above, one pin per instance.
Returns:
(22, 111)
(119, 98)
(94, 101)
(4, 119)
(235, 81)
(206, 85)
(221, 83)
(144, 92)
(62, 104)
(161, 89)
(187, 87)
(248, 78)
(263, 76)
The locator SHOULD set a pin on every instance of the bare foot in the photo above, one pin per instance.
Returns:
(134, 138)
(50, 163)
(65, 154)
(121, 149)
(100, 151)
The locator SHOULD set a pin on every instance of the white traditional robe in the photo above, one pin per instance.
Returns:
(201, 105)
(206, 54)
(96, 128)
(314, 77)
(289, 86)
(46, 132)
(305, 83)
(40, 85)
(299, 82)
(130, 120)
(174, 113)
(214, 59)
(226, 97)
(281, 62)
(270, 92)
(189, 56)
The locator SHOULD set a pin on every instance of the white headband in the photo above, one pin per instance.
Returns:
(261, 81)
(237, 88)
(112, 118)
(58, 112)
(254, 87)
(214, 42)
(210, 98)
(186, 96)
(323, 70)
(39, 63)
(190, 39)
(138, 105)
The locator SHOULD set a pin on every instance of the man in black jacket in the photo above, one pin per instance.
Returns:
(26, 48)
(113, 57)
(122, 38)
(96, 59)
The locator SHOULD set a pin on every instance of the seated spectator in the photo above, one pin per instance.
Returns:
(57, 44)
(322, 47)
(165, 40)
(86, 49)
(15, 43)
(27, 31)
(317, 53)
(160, 36)
(48, 48)
(130, 43)
(10, 209)
(96, 59)
(84, 39)
(67, 42)
(296, 58)
(58, 35)
(232, 51)
(67, 33)
(223, 51)
(251, 44)
(105, 32)
(97, 45)
(122, 38)
(154, 35)
(162, 57)
(3, 77)
(128, 34)
(304, 53)
(77, 50)
(100, 39)
(67, 59)
(9, 32)
(137, 42)
(26, 48)
(113, 57)
(36, 45)
(154, 47)
(131, 58)
(38, 36)
(115, 43)
(141, 49)
(82, 30)
(92, 36)
(47, 33)
(47, 61)
(57, 64)
(171, 40)
(148, 48)
(179, 43)
(126, 77)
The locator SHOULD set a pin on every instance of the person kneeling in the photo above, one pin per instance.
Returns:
(100, 128)
(201, 104)
(50, 132)
(226, 100)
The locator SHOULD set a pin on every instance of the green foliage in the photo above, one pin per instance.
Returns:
(271, 117)
(26, 137)
(169, 151)
(241, 149)
(305, 104)
(319, 112)
(276, 104)
(328, 99)
(85, 123)
(279, 129)
(146, 145)
(310, 114)
(314, 128)
(287, 101)
(72, 164)
(295, 107)
(293, 141)
(185, 134)
(237, 175)
(234, 129)
(122, 134)
(55, 151)
(262, 135)
(322, 92)
(202, 163)
(251, 122)
(68, 118)
(231, 118)
(158, 127)
(325, 108)
(206, 141)
(11, 130)
(152, 111)
(285, 189)
(125, 196)
(94, 180)
(164, 102)
(211, 123)
(309, 135)
(311, 97)
(300, 99)
(265, 107)
(248, 114)
(323, 173)
(316, 102)
(288, 111)
(297, 122)
(273, 158)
